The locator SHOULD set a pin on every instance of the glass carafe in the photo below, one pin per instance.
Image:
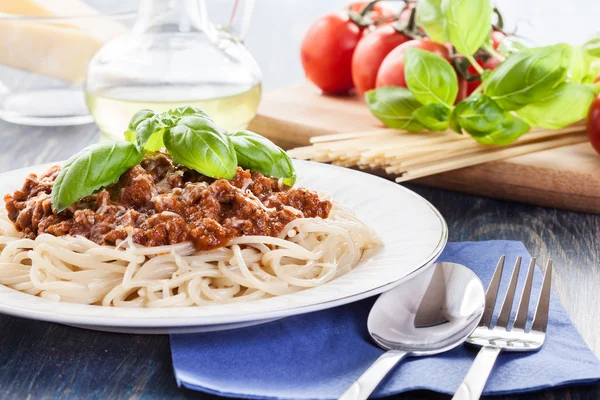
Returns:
(175, 56)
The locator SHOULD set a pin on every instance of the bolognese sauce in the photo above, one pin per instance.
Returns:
(159, 203)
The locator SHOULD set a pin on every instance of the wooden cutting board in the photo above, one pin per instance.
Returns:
(566, 177)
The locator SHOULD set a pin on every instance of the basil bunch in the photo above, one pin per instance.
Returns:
(190, 137)
(549, 87)
(428, 103)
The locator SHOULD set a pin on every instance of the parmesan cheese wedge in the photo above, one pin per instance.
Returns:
(59, 49)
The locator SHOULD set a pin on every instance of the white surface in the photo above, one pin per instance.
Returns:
(413, 232)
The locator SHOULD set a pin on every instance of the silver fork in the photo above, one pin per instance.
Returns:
(494, 339)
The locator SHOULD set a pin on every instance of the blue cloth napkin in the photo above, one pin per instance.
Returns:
(318, 355)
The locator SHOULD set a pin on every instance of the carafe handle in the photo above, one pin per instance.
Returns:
(242, 12)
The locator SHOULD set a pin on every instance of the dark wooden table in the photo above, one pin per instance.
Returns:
(43, 360)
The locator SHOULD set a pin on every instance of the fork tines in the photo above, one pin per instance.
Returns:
(540, 320)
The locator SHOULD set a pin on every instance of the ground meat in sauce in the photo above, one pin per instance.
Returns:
(161, 203)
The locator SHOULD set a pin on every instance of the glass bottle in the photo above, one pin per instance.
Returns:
(175, 56)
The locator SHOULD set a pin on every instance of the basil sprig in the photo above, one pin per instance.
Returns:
(190, 137)
(95, 166)
(427, 103)
(146, 124)
(146, 128)
(549, 87)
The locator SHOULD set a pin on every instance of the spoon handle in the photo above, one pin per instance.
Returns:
(368, 381)
(475, 380)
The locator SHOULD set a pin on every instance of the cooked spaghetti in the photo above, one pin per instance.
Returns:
(166, 236)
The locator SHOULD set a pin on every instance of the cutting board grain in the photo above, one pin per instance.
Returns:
(566, 177)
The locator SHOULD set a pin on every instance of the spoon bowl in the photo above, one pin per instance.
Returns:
(433, 312)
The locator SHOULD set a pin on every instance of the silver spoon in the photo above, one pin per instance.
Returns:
(431, 313)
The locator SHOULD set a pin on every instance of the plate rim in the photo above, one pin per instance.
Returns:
(189, 322)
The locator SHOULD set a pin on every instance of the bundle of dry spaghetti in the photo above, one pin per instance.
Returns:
(409, 155)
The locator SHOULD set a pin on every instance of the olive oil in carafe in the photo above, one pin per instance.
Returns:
(230, 107)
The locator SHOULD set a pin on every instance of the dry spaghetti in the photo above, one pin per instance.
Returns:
(409, 155)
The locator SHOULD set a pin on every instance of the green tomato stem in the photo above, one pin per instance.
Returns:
(493, 52)
(360, 18)
(500, 22)
(475, 64)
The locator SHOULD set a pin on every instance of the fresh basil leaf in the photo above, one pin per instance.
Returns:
(197, 143)
(468, 23)
(478, 115)
(394, 107)
(528, 76)
(430, 18)
(145, 130)
(129, 136)
(592, 46)
(483, 119)
(155, 141)
(146, 127)
(568, 104)
(510, 46)
(582, 69)
(148, 134)
(434, 117)
(430, 78)
(176, 114)
(258, 153)
(454, 125)
(135, 121)
(139, 117)
(507, 132)
(94, 167)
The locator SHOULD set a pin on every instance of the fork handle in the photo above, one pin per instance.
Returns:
(475, 380)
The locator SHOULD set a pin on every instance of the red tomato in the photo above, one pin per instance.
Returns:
(369, 55)
(488, 65)
(597, 79)
(326, 52)
(497, 38)
(391, 72)
(463, 87)
(593, 124)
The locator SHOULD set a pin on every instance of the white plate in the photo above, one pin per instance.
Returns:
(413, 233)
